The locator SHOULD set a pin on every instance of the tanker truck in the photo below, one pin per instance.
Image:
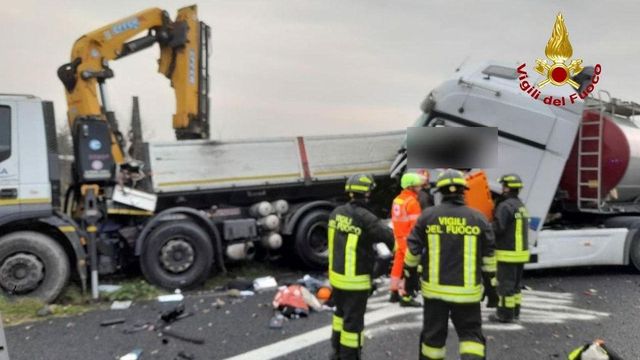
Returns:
(580, 162)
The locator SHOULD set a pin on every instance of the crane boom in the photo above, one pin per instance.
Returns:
(183, 59)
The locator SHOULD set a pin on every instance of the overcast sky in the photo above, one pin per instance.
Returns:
(293, 67)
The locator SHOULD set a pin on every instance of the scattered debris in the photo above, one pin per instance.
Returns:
(290, 301)
(247, 293)
(45, 311)
(240, 284)
(182, 337)
(185, 356)
(276, 321)
(310, 299)
(133, 355)
(312, 283)
(113, 322)
(265, 283)
(106, 288)
(121, 305)
(175, 297)
(234, 293)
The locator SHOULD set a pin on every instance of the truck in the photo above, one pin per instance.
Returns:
(177, 210)
(579, 161)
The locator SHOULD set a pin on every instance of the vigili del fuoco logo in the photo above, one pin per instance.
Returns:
(559, 70)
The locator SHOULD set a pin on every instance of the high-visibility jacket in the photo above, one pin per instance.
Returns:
(352, 232)
(510, 225)
(459, 245)
(404, 213)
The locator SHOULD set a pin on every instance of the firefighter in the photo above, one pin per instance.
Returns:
(458, 246)
(353, 231)
(424, 197)
(404, 213)
(510, 225)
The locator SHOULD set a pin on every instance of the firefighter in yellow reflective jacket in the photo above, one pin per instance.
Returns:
(353, 231)
(459, 245)
(510, 225)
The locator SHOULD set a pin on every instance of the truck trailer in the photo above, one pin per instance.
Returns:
(579, 162)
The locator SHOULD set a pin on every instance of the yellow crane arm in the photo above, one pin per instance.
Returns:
(183, 59)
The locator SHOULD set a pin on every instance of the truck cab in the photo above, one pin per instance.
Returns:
(580, 215)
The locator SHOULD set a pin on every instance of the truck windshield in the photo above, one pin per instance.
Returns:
(5, 133)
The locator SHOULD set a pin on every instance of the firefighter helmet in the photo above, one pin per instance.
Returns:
(511, 181)
(451, 180)
(360, 183)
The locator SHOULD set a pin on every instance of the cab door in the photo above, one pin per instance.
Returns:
(9, 165)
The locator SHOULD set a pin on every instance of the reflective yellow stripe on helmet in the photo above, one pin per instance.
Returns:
(456, 181)
(356, 188)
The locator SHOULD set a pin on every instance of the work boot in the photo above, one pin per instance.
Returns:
(408, 301)
(394, 297)
(499, 319)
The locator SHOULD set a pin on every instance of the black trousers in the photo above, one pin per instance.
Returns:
(509, 284)
(467, 321)
(348, 323)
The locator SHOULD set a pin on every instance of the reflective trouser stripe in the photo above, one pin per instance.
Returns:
(456, 294)
(337, 323)
(472, 348)
(350, 339)
(518, 298)
(508, 301)
(489, 264)
(433, 352)
(512, 256)
(331, 233)
(470, 250)
(434, 258)
(358, 282)
(411, 260)
(350, 255)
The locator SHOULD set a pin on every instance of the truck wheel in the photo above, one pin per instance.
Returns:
(311, 244)
(32, 265)
(634, 252)
(177, 255)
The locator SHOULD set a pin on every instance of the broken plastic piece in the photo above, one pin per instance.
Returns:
(121, 305)
(265, 283)
(113, 322)
(175, 297)
(276, 321)
(133, 355)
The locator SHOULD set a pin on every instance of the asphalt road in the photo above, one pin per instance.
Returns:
(563, 309)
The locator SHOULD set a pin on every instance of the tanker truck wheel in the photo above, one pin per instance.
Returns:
(32, 265)
(177, 255)
(311, 244)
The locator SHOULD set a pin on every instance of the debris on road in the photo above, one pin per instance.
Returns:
(121, 305)
(185, 356)
(108, 289)
(246, 293)
(276, 321)
(182, 337)
(113, 322)
(175, 297)
(133, 355)
(265, 283)
(45, 311)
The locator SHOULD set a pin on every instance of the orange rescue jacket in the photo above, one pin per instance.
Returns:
(404, 213)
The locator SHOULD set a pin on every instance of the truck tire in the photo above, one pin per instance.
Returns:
(177, 255)
(32, 265)
(310, 239)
